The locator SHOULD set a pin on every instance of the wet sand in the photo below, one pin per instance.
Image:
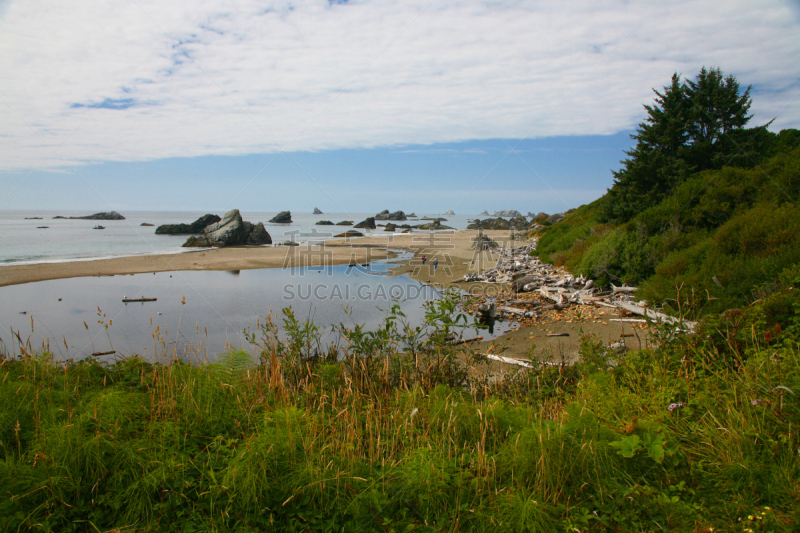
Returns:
(233, 258)
(451, 248)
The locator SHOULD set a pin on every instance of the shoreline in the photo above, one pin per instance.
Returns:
(456, 258)
(453, 247)
(230, 258)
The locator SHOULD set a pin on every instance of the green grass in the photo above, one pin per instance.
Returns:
(389, 441)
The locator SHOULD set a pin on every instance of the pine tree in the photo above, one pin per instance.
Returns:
(691, 126)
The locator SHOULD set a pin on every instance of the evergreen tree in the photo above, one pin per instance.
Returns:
(690, 127)
(718, 112)
(656, 162)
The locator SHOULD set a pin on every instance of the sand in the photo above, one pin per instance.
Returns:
(452, 248)
(232, 258)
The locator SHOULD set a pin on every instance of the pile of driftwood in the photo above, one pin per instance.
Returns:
(557, 288)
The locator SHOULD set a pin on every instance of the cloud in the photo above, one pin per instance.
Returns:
(104, 81)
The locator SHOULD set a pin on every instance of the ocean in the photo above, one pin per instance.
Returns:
(197, 314)
(25, 241)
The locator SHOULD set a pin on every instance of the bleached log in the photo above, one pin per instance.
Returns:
(519, 362)
(655, 315)
(616, 289)
(512, 310)
(636, 320)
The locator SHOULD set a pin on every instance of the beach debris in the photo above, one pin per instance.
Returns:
(140, 299)
(98, 354)
(558, 334)
(532, 290)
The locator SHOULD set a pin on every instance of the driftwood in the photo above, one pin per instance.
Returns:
(636, 320)
(519, 362)
(98, 354)
(616, 289)
(655, 315)
(126, 300)
(558, 334)
(512, 310)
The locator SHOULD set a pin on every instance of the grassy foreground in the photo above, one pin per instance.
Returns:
(700, 435)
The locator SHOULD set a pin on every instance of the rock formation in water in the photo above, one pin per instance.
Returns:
(113, 215)
(366, 224)
(386, 215)
(187, 229)
(508, 213)
(317, 211)
(350, 233)
(284, 217)
(231, 230)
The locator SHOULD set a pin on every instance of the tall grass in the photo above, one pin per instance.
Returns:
(394, 432)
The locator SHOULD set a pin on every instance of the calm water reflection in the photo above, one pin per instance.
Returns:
(72, 314)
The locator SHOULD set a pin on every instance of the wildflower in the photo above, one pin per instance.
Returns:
(755, 402)
(767, 508)
(750, 517)
(674, 406)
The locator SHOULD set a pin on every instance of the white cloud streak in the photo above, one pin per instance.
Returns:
(249, 76)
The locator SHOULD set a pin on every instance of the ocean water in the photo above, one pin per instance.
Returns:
(197, 314)
(23, 241)
(200, 314)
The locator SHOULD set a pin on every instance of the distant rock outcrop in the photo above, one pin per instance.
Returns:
(284, 217)
(411, 215)
(113, 215)
(231, 230)
(484, 213)
(450, 213)
(33, 218)
(490, 223)
(366, 224)
(518, 223)
(324, 223)
(146, 224)
(350, 233)
(435, 225)
(345, 223)
(509, 213)
(386, 215)
(187, 229)
(390, 227)
(317, 211)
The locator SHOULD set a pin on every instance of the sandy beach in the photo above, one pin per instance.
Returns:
(453, 249)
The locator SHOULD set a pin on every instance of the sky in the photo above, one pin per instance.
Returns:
(357, 106)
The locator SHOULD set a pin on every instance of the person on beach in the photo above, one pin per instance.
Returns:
(423, 259)
(435, 264)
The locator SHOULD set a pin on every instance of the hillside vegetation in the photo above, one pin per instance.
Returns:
(698, 435)
(702, 224)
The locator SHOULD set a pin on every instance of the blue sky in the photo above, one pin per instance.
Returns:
(360, 105)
